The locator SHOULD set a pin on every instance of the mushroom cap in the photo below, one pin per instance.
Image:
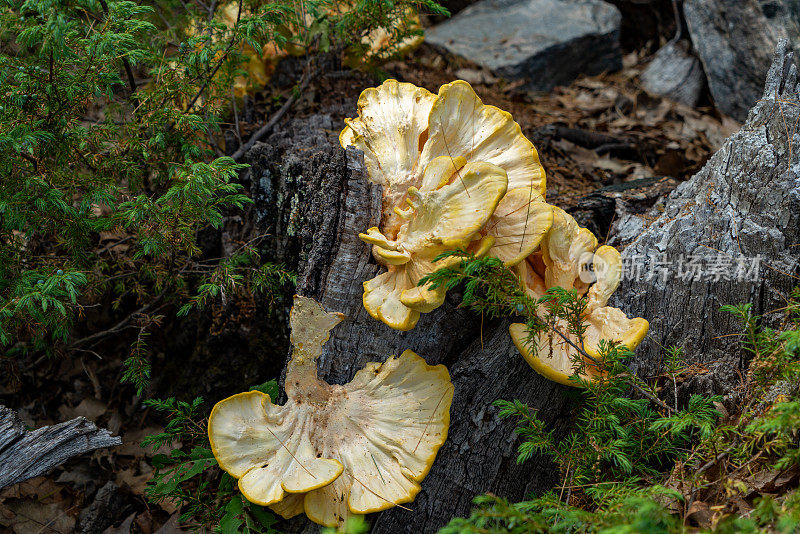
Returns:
(398, 413)
(258, 443)
(389, 129)
(612, 324)
(531, 275)
(438, 220)
(448, 217)
(607, 269)
(552, 359)
(567, 251)
(519, 224)
(460, 124)
(402, 129)
(382, 296)
(334, 450)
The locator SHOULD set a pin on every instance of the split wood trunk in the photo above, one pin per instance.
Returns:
(314, 198)
(314, 205)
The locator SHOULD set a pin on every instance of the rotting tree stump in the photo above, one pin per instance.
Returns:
(314, 198)
(314, 205)
(729, 235)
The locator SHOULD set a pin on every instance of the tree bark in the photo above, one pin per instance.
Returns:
(28, 454)
(314, 206)
(743, 207)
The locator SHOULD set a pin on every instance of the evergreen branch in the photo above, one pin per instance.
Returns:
(503, 295)
(125, 62)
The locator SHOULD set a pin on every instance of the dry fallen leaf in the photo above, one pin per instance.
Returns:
(123, 528)
(34, 517)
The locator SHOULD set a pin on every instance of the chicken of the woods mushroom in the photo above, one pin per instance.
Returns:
(570, 258)
(415, 142)
(377, 46)
(334, 451)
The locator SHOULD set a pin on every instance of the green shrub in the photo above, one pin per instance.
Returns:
(110, 121)
(111, 117)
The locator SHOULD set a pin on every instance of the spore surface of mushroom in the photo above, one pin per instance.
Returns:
(334, 450)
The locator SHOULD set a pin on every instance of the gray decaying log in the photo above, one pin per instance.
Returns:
(27, 454)
(323, 200)
(744, 204)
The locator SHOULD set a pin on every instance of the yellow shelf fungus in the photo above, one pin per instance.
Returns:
(426, 151)
(570, 258)
(332, 451)
(416, 141)
(446, 218)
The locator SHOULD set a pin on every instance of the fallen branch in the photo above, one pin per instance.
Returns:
(28, 454)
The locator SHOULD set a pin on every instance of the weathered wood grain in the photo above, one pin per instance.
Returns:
(743, 207)
(26, 454)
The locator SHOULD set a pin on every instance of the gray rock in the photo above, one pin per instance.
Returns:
(735, 40)
(547, 42)
(676, 74)
(729, 235)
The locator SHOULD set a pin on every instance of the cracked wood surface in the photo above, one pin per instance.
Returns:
(27, 454)
(744, 204)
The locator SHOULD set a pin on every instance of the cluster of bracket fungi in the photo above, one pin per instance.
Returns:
(456, 174)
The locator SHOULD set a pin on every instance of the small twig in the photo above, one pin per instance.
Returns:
(114, 244)
(261, 132)
(569, 487)
(122, 324)
(125, 63)
(563, 486)
(705, 467)
(675, 389)
(211, 10)
(634, 385)
(676, 11)
(218, 65)
(653, 398)
(236, 118)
